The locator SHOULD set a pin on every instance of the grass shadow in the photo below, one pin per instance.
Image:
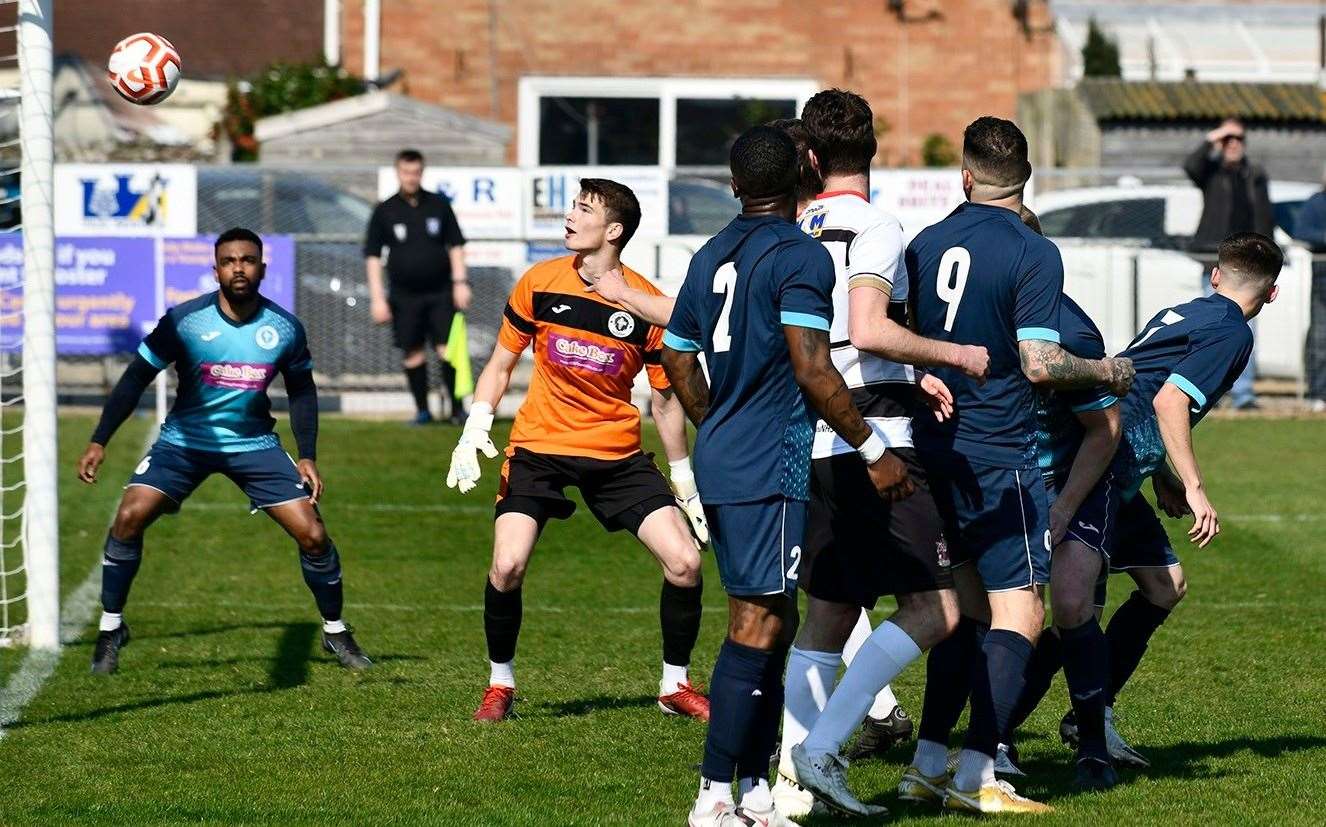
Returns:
(599, 703)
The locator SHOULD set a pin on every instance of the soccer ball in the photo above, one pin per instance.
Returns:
(144, 68)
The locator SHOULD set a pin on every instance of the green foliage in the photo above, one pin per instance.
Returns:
(281, 87)
(938, 151)
(1100, 54)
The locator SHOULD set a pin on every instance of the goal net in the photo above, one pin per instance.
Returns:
(29, 550)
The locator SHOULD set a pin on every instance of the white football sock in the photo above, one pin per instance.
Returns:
(931, 758)
(885, 654)
(975, 770)
(755, 794)
(333, 627)
(860, 634)
(673, 678)
(110, 621)
(885, 703)
(502, 674)
(809, 683)
(885, 700)
(711, 793)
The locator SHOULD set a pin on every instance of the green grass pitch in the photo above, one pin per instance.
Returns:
(225, 710)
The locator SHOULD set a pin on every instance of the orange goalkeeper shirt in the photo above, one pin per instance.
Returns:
(587, 352)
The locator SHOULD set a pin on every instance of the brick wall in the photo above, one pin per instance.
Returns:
(215, 40)
(952, 61)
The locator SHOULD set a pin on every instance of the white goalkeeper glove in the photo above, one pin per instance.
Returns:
(464, 471)
(688, 498)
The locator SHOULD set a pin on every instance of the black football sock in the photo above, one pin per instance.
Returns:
(754, 762)
(679, 617)
(501, 622)
(322, 573)
(997, 683)
(1045, 661)
(417, 378)
(734, 707)
(1086, 655)
(120, 560)
(449, 387)
(948, 680)
(1129, 632)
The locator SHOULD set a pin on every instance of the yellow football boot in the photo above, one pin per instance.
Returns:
(922, 789)
(999, 797)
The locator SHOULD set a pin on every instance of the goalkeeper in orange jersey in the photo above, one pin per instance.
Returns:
(578, 427)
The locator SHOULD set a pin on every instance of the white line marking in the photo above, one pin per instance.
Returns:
(76, 613)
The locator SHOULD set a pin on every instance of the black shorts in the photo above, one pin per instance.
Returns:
(418, 319)
(619, 492)
(859, 547)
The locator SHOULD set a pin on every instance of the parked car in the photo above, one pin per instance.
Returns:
(1165, 215)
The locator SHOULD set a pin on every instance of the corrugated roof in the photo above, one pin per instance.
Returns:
(1111, 99)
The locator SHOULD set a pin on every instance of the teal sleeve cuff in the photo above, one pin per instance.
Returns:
(152, 359)
(1187, 387)
(1039, 334)
(676, 342)
(810, 320)
(1097, 404)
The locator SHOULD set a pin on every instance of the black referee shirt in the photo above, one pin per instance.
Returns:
(418, 238)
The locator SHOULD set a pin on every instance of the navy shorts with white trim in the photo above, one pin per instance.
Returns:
(268, 477)
(1095, 523)
(997, 518)
(758, 545)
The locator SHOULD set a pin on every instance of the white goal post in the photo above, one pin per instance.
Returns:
(40, 449)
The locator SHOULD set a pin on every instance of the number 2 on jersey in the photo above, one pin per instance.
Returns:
(952, 280)
(725, 279)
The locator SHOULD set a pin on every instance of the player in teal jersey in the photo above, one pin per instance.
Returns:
(227, 347)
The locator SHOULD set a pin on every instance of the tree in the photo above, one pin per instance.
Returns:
(937, 151)
(1100, 54)
(281, 87)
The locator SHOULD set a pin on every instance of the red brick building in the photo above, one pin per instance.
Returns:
(548, 68)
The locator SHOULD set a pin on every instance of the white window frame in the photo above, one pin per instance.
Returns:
(666, 90)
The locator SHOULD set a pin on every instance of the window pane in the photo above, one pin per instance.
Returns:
(707, 128)
(610, 131)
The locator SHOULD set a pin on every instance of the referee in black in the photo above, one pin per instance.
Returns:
(426, 262)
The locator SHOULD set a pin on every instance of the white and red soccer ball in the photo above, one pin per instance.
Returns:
(144, 68)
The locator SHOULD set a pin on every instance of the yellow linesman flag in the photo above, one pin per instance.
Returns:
(458, 354)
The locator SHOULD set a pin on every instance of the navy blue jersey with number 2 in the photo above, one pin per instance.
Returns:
(980, 277)
(742, 287)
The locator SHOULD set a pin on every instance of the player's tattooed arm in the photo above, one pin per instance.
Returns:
(823, 384)
(688, 382)
(1048, 364)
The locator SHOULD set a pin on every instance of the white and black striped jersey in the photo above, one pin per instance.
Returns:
(867, 249)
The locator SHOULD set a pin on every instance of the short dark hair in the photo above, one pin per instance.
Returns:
(239, 234)
(619, 204)
(1250, 259)
(409, 156)
(994, 150)
(764, 162)
(809, 182)
(842, 131)
(1030, 218)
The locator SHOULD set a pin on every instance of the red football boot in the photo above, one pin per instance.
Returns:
(687, 700)
(496, 703)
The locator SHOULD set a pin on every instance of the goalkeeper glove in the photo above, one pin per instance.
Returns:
(464, 471)
(688, 498)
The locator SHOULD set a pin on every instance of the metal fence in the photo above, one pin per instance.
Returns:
(325, 209)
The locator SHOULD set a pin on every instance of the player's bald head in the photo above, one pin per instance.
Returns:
(994, 152)
(764, 163)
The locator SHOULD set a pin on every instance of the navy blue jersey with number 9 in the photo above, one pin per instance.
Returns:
(742, 287)
(980, 277)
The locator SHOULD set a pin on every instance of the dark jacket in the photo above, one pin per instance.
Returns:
(1217, 185)
(1310, 225)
